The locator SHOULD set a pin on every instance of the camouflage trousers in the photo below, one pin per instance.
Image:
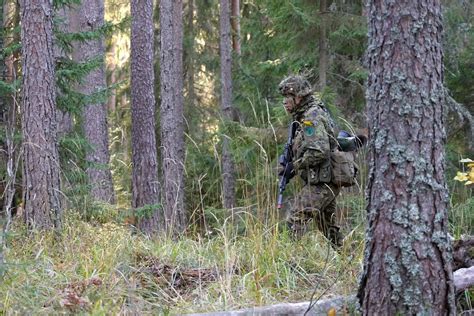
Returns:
(315, 205)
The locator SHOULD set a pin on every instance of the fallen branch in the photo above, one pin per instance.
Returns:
(339, 304)
(463, 279)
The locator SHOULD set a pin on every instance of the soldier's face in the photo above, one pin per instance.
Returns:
(291, 103)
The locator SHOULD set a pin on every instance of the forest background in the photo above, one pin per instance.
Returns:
(227, 259)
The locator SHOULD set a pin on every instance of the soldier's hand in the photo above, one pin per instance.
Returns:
(287, 171)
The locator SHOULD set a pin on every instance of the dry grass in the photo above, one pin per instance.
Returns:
(103, 268)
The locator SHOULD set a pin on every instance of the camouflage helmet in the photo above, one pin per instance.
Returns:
(295, 85)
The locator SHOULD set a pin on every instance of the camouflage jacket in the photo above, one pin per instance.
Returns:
(313, 142)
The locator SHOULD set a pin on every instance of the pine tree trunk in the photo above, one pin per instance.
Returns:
(407, 264)
(191, 94)
(42, 195)
(145, 185)
(65, 123)
(89, 17)
(323, 46)
(236, 27)
(228, 172)
(172, 111)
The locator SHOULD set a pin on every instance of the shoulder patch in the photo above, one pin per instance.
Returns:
(309, 130)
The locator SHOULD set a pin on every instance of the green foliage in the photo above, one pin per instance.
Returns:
(72, 153)
(147, 211)
(65, 39)
(58, 4)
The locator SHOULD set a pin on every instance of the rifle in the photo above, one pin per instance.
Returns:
(286, 160)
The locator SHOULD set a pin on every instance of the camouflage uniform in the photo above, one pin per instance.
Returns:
(314, 139)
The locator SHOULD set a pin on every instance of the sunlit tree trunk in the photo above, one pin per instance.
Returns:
(42, 196)
(112, 69)
(407, 263)
(8, 68)
(228, 169)
(190, 59)
(89, 17)
(236, 26)
(8, 110)
(323, 45)
(172, 111)
(145, 186)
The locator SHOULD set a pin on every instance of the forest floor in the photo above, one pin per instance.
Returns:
(104, 268)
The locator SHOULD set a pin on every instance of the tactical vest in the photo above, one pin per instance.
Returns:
(321, 172)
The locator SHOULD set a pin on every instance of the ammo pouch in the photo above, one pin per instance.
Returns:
(319, 174)
(344, 168)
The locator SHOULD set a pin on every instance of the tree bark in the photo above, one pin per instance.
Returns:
(145, 185)
(65, 122)
(172, 110)
(228, 169)
(407, 263)
(89, 16)
(236, 27)
(41, 159)
(190, 68)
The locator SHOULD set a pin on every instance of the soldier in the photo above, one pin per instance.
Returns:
(313, 142)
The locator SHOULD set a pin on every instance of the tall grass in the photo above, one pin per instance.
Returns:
(104, 268)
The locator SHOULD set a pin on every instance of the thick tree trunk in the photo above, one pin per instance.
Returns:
(228, 172)
(407, 264)
(89, 17)
(41, 187)
(323, 45)
(145, 185)
(172, 110)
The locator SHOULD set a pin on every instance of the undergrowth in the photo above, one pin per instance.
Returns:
(105, 268)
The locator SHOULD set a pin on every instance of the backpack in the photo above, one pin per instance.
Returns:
(344, 168)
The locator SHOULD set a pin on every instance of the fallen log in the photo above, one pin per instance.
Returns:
(338, 305)
(463, 279)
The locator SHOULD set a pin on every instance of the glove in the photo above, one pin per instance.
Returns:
(289, 172)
